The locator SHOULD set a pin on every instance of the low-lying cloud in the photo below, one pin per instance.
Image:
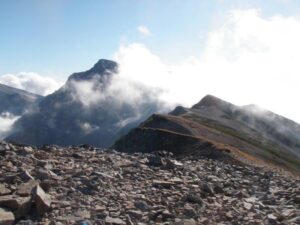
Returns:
(6, 122)
(118, 93)
(31, 82)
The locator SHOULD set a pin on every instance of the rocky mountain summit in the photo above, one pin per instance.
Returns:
(84, 110)
(85, 185)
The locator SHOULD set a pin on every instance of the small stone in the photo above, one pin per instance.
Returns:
(185, 222)
(189, 212)
(25, 222)
(208, 188)
(218, 188)
(55, 223)
(166, 214)
(229, 215)
(156, 160)
(297, 199)
(114, 221)
(271, 217)
(84, 222)
(135, 214)
(161, 183)
(193, 198)
(26, 150)
(83, 214)
(128, 220)
(247, 205)
(99, 208)
(42, 174)
(142, 205)
(171, 164)
(25, 175)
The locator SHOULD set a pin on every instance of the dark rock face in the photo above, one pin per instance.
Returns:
(151, 140)
(16, 101)
(86, 185)
(216, 128)
(70, 117)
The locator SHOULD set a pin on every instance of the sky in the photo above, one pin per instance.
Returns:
(241, 51)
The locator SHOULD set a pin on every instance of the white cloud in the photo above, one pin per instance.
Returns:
(6, 121)
(247, 59)
(130, 100)
(143, 30)
(31, 82)
(118, 88)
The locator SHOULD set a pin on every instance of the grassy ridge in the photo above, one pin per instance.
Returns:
(276, 154)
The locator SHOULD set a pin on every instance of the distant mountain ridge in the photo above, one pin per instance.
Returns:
(278, 129)
(214, 128)
(16, 101)
(65, 117)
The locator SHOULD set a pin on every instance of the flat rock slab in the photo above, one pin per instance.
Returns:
(4, 190)
(42, 200)
(6, 217)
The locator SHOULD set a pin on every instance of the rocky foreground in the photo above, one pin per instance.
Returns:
(83, 185)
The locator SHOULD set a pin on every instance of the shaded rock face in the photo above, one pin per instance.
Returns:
(81, 113)
(102, 68)
(218, 128)
(86, 185)
(152, 140)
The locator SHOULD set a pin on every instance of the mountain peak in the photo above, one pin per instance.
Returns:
(102, 67)
(210, 100)
(104, 64)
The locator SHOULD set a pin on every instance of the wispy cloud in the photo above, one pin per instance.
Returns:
(143, 30)
(31, 82)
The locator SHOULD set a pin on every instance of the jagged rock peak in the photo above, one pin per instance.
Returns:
(104, 64)
(102, 67)
(210, 100)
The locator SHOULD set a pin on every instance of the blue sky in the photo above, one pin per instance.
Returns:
(58, 37)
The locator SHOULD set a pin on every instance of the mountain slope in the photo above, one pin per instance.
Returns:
(83, 112)
(216, 128)
(16, 101)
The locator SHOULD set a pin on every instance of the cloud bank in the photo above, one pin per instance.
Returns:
(247, 59)
(31, 82)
